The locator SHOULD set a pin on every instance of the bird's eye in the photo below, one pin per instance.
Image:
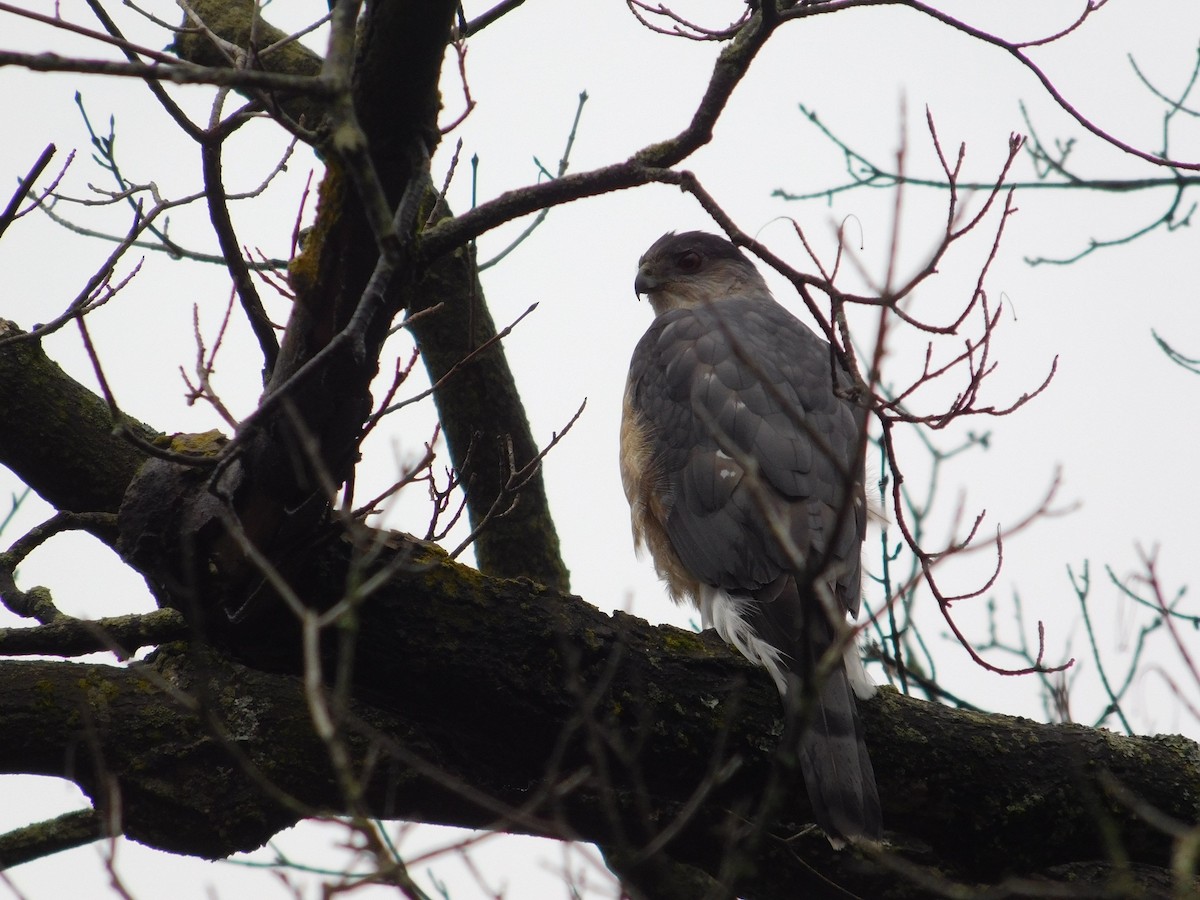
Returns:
(689, 261)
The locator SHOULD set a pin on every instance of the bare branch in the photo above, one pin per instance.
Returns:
(73, 829)
(121, 635)
(174, 73)
(9, 214)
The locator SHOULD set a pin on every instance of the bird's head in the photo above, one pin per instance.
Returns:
(694, 269)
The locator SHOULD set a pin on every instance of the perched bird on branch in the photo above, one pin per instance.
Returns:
(744, 474)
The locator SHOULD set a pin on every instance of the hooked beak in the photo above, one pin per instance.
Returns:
(645, 282)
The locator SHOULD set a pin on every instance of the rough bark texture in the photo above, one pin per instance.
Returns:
(232, 21)
(290, 457)
(483, 692)
(483, 697)
(482, 415)
(485, 426)
(44, 414)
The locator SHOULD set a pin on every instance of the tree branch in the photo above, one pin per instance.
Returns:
(59, 437)
(480, 407)
(121, 635)
(476, 717)
(73, 829)
(484, 422)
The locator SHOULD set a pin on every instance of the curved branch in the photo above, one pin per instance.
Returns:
(650, 164)
(239, 271)
(1017, 51)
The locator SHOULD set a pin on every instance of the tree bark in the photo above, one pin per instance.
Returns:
(486, 429)
(501, 704)
(57, 435)
(484, 422)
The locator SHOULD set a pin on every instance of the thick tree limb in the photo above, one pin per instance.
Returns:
(480, 407)
(560, 720)
(232, 22)
(380, 126)
(58, 436)
(484, 422)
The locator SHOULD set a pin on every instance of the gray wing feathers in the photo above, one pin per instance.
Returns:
(739, 380)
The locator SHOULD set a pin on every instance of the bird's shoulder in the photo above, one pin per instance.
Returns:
(742, 342)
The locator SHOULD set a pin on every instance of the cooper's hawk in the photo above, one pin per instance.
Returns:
(737, 458)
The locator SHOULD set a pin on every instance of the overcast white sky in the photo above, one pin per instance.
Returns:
(1119, 419)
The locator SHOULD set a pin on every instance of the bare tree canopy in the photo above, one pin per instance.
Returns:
(314, 657)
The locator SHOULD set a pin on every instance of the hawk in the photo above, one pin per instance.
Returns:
(738, 461)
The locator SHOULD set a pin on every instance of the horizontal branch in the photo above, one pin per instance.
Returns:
(178, 73)
(73, 829)
(122, 635)
(650, 164)
(480, 699)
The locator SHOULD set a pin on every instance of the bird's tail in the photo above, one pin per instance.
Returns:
(837, 770)
(779, 632)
